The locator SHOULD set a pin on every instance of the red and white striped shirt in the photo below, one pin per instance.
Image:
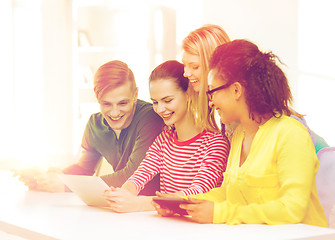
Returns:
(193, 166)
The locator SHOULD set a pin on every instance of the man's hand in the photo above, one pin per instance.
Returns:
(39, 180)
(49, 181)
(27, 176)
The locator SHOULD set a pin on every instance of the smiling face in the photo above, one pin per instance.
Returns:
(118, 106)
(169, 101)
(223, 99)
(192, 70)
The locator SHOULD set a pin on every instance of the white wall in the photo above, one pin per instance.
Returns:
(36, 83)
(270, 24)
(58, 98)
(301, 33)
(316, 82)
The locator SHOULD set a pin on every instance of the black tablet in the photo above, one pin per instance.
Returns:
(172, 204)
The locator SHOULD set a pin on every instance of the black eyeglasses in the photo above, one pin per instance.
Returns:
(211, 92)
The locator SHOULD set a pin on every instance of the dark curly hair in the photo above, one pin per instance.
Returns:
(267, 89)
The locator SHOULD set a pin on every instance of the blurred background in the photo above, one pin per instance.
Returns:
(50, 49)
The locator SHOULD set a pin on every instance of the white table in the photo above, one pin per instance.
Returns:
(39, 215)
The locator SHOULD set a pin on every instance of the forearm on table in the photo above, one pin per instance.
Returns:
(131, 187)
(203, 183)
(145, 203)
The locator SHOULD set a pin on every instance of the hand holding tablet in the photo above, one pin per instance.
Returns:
(172, 203)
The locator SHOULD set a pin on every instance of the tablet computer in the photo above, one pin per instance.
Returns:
(172, 203)
(89, 189)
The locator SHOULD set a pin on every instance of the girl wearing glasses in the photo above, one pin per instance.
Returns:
(270, 176)
(188, 159)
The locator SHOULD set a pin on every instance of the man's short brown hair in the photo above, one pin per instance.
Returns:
(112, 75)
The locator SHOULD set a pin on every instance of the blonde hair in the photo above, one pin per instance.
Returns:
(202, 42)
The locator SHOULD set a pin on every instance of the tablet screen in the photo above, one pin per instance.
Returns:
(89, 189)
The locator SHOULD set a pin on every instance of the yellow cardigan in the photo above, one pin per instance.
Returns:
(276, 183)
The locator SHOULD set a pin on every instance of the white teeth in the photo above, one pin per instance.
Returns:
(115, 119)
(167, 115)
(193, 81)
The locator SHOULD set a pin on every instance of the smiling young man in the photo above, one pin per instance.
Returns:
(121, 133)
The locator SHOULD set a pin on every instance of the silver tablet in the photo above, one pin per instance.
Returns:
(89, 189)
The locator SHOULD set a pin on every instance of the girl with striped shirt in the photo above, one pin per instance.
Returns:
(189, 160)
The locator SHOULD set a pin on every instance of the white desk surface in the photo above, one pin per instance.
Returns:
(40, 215)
